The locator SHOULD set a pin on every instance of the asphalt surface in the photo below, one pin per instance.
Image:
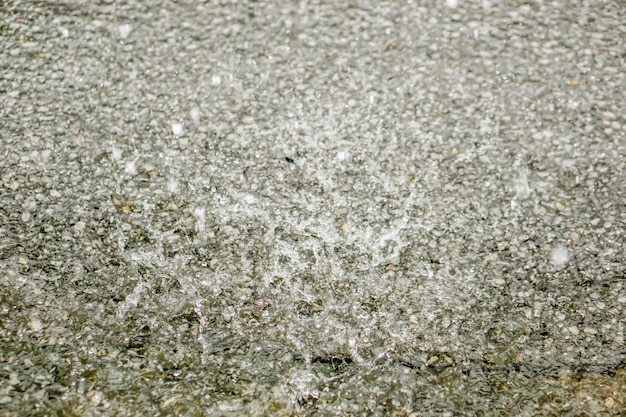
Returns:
(312, 208)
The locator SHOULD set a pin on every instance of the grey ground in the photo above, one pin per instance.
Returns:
(312, 208)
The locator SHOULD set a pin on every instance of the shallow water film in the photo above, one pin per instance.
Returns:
(312, 208)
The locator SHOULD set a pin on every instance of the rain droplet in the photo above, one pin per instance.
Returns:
(195, 115)
(559, 257)
(177, 129)
(124, 30)
(130, 167)
(116, 153)
(200, 215)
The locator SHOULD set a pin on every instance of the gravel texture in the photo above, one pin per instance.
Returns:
(312, 208)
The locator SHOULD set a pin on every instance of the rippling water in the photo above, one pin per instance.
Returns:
(312, 209)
